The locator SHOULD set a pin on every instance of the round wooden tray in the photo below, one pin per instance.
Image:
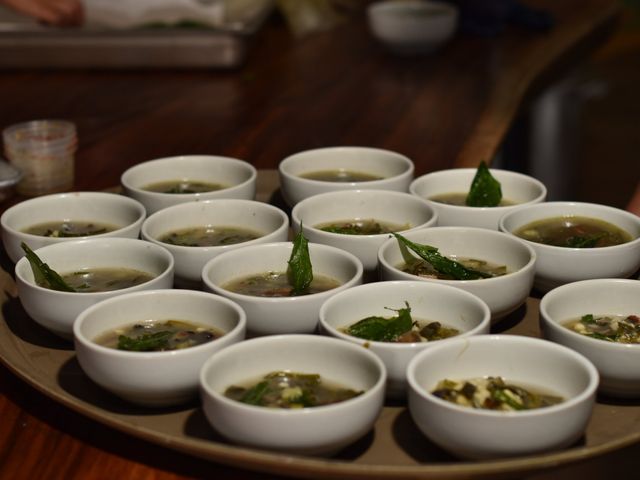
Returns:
(394, 449)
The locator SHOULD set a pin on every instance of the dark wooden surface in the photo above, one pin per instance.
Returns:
(335, 88)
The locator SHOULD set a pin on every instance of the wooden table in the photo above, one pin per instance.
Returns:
(334, 88)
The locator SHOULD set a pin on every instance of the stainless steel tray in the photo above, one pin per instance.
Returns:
(25, 44)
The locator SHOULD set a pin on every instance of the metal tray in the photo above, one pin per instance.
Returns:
(26, 44)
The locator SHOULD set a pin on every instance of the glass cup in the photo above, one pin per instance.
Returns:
(44, 150)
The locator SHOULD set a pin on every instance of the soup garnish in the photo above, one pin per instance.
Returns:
(158, 336)
(340, 175)
(485, 190)
(441, 264)
(573, 231)
(276, 284)
(401, 328)
(105, 279)
(183, 186)
(43, 275)
(493, 393)
(424, 269)
(611, 328)
(361, 227)
(69, 228)
(285, 389)
(209, 236)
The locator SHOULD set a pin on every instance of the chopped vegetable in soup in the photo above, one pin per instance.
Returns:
(209, 236)
(158, 336)
(427, 270)
(493, 393)
(361, 227)
(183, 186)
(276, 284)
(105, 279)
(340, 175)
(612, 328)
(69, 229)
(460, 199)
(285, 389)
(401, 328)
(573, 232)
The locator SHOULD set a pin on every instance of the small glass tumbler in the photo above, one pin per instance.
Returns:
(44, 150)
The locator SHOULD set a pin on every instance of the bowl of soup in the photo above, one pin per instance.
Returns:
(577, 241)
(147, 347)
(164, 182)
(492, 265)
(321, 170)
(359, 221)
(599, 318)
(256, 277)
(494, 396)
(398, 319)
(447, 192)
(195, 232)
(62, 217)
(95, 269)
(301, 394)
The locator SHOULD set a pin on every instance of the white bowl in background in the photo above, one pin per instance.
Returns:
(382, 205)
(314, 430)
(528, 362)
(502, 294)
(267, 220)
(450, 306)
(559, 265)
(154, 379)
(57, 310)
(238, 176)
(516, 187)
(616, 362)
(395, 169)
(124, 214)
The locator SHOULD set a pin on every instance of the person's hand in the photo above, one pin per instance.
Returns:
(63, 13)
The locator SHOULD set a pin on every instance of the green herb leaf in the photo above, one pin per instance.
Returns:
(299, 271)
(584, 241)
(441, 263)
(501, 396)
(254, 395)
(145, 343)
(43, 274)
(485, 190)
(380, 329)
(587, 319)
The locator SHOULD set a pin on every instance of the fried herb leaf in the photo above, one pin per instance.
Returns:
(485, 190)
(145, 343)
(44, 275)
(254, 395)
(381, 329)
(299, 271)
(441, 263)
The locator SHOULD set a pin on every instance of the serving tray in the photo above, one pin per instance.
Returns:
(394, 449)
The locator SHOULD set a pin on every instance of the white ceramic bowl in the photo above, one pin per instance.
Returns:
(382, 205)
(123, 213)
(56, 310)
(154, 379)
(616, 362)
(274, 315)
(238, 175)
(516, 187)
(502, 294)
(314, 430)
(411, 27)
(395, 169)
(450, 306)
(528, 362)
(268, 221)
(559, 265)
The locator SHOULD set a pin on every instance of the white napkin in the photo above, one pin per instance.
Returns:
(121, 14)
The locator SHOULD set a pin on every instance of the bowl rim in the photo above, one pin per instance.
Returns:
(484, 322)
(149, 356)
(582, 396)
(297, 412)
(384, 7)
